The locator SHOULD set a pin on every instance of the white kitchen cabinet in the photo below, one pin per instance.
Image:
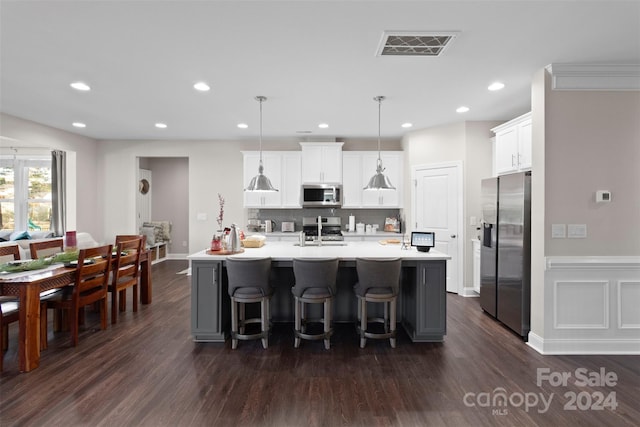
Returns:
(352, 179)
(513, 145)
(392, 164)
(272, 165)
(321, 162)
(359, 167)
(283, 169)
(291, 163)
(476, 264)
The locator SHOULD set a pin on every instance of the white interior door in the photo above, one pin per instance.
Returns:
(438, 208)
(143, 199)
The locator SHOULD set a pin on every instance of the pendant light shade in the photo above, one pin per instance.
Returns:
(379, 181)
(260, 182)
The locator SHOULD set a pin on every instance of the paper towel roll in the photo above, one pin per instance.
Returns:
(352, 223)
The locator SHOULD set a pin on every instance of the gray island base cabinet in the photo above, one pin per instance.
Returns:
(421, 304)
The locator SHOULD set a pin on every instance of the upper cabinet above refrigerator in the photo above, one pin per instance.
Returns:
(512, 150)
(321, 162)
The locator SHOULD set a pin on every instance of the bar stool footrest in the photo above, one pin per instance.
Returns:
(375, 335)
(246, 337)
(320, 336)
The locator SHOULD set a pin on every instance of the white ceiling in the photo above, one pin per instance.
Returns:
(315, 61)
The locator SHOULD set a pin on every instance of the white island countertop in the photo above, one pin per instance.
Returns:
(286, 251)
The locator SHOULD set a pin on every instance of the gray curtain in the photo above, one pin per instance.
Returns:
(58, 192)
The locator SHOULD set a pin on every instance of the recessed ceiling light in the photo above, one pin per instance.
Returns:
(496, 86)
(323, 125)
(201, 86)
(161, 125)
(407, 125)
(462, 109)
(79, 125)
(80, 86)
(243, 125)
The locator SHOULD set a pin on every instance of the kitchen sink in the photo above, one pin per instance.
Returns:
(324, 243)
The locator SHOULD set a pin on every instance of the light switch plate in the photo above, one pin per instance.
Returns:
(577, 231)
(558, 231)
(202, 216)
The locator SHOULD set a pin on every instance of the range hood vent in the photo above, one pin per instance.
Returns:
(398, 43)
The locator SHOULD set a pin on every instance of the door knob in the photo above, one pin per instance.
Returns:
(453, 236)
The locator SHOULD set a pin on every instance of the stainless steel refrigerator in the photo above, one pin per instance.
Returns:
(505, 257)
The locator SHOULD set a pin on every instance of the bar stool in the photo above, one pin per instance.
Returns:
(378, 281)
(315, 283)
(249, 283)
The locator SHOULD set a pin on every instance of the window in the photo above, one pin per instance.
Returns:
(25, 193)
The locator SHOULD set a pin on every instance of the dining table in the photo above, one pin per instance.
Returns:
(27, 286)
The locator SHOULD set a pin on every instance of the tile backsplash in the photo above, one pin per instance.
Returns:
(365, 216)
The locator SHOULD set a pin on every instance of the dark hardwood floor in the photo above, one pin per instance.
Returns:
(146, 371)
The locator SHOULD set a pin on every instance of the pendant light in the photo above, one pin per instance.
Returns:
(379, 181)
(260, 182)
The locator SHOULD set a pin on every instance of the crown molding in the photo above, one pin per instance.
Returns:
(615, 77)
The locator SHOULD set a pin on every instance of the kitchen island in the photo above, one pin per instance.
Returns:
(421, 305)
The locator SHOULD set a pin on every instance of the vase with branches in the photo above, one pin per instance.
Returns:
(220, 217)
(216, 241)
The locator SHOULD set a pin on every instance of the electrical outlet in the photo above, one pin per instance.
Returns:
(577, 231)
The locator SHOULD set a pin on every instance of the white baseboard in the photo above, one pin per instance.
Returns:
(536, 342)
(468, 292)
(583, 346)
(177, 256)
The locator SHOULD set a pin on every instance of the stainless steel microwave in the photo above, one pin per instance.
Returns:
(321, 195)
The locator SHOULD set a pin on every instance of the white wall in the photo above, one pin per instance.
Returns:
(468, 142)
(592, 142)
(84, 203)
(585, 292)
(214, 167)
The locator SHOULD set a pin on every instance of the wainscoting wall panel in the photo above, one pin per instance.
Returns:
(628, 304)
(581, 304)
(591, 306)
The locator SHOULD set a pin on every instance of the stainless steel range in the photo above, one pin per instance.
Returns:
(330, 229)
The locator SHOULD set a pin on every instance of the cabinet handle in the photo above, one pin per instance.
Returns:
(215, 276)
(519, 159)
(513, 160)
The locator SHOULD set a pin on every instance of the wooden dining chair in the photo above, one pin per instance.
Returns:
(11, 304)
(126, 271)
(8, 314)
(9, 253)
(8, 305)
(144, 257)
(125, 237)
(46, 248)
(43, 249)
(89, 288)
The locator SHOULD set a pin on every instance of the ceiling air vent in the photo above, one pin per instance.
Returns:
(395, 43)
